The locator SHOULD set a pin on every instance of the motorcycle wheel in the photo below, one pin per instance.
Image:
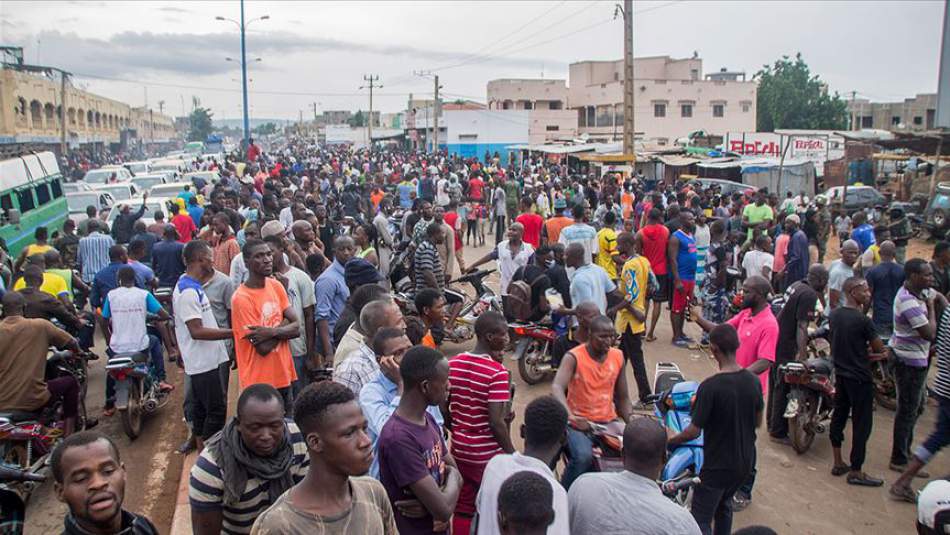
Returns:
(799, 427)
(529, 352)
(131, 417)
(885, 391)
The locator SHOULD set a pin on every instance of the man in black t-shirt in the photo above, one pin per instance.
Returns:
(793, 321)
(727, 410)
(851, 334)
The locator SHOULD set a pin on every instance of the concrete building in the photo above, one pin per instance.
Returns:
(31, 110)
(549, 118)
(914, 114)
(672, 98)
(337, 116)
(472, 133)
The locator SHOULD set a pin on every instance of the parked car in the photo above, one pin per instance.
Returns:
(169, 189)
(103, 174)
(120, 192)
(152, 205)
(859, 198)
(73, 187)
(138, 168)
(147, 182)
(726, 187)
(78, 201)
(937, 213)
(207, 176)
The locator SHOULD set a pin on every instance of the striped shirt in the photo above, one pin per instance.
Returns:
(474, 382)
(427, 258)
(910, 313)
(94, 254)
(941, 384)
(206, 487)
(357, 369)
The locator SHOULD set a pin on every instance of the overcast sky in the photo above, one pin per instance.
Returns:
(318, 52)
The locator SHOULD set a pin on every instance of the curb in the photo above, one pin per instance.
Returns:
(181, 521)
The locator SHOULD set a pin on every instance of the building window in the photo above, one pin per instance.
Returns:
(618, 114)
(694, 74)
(605, 116)
(467, 137)
(686, 110)
(746, 107)
(659, 110)
(867, 122)
(719, 110)
(662, 141)
(552, 128)
(590, 116)
(918, 120)
(528, 105)
(582, 117)
(555, 105)
(896, 120)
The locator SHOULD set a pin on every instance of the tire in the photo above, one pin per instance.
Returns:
(131, 417)
(800, 427)
(529, 353)
(889, 402)
(885, 389)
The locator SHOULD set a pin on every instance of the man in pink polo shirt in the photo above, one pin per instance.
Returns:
(758, 335)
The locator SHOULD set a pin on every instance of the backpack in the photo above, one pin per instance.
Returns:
(518, 301)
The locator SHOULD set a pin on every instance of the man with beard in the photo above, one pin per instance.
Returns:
(247, 466)
(90, 480)
(304, 243)
(758, 336)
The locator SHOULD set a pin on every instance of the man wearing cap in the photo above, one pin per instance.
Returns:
(797, 258)
(551, 230)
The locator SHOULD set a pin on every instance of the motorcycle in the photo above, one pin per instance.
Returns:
(28, 437)
(464, 328)
(672, 400)
(12, 507)
(533, 343)
(885, 384)
(811, 393)
(136, 393)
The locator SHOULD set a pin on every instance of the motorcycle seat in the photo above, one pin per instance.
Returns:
(19, 416)
(820, 365)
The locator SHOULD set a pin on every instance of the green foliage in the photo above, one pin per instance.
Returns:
(199, 124)
(358, 120)
(265, 129)
(789, 96)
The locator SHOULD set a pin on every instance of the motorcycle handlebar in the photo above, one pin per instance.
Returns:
(15, 474)
(672, 486)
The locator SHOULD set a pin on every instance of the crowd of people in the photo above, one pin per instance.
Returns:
(292, 267)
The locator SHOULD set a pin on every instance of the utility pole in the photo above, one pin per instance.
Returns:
(410, 122)
(62, 112)
(435, 122)
(372, 84)
(854, 111)
(628, 123)
(314, 105)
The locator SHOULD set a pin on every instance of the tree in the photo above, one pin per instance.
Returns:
(789, 96)
(266, 129)
(199, 124)
(358, 119)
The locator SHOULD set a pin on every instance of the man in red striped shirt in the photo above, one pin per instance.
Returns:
(478, 406)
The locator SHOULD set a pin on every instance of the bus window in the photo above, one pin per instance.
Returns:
(6, 203)
(42, 194)
(57, 186)
(25, 197)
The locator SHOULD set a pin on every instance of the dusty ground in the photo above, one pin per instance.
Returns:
(794, 494)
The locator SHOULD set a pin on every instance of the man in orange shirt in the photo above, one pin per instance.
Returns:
(551, 230)
(263, 322)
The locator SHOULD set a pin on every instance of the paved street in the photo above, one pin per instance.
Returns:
(793, 493)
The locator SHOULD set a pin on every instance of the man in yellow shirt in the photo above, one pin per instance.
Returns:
(53, 284)
(607, 246)
(636, 278)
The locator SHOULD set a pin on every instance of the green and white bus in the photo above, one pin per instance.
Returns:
(31, 196)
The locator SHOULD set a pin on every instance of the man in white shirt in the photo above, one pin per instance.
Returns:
(201, 342)
(759, 261)
(510, 255)
(545, 433)
(630, 501)
(580, 232)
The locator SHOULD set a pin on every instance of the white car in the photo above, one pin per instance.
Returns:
(158, 204)
(78, 202)
(170, 190)
(138, 168)
(103, 174)
(73, 187)
(120, 192)
(147, 182)
(207, 176)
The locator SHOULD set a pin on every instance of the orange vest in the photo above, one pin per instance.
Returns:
(590, 394)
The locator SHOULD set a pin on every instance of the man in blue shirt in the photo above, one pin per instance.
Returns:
(195, 211)
(167, 258)
(797, 257)
(884, 280)
(107, 279)
(863, 232)
(332, 294)
(380, 397)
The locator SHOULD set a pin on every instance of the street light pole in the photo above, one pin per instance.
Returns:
(244, 81)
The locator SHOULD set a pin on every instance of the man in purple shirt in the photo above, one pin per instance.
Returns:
(797, 257)
(415, 466)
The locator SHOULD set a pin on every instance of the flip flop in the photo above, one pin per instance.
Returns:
(840, 470)
(904, 494)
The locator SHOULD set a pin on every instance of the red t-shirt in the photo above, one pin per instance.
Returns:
(475, 187)
(474, 382)
(451, 219)
(655, 239)
(532, 228)
(185, 226)
(253, 151)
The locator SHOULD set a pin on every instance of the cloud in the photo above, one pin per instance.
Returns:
(138, 53)
(173, 20)
(67, 20)
(172, 9)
